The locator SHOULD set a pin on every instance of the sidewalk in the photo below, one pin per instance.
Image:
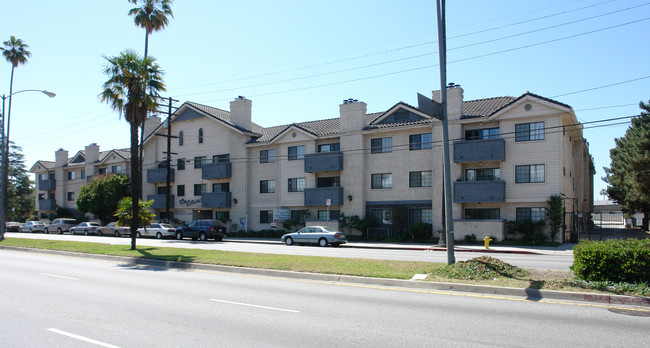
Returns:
(565, 248)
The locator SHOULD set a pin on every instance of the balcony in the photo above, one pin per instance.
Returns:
(46, 204)
(323, 161)
(216, 170)
(47, 185)
(479, 150)
(479, 191)
(318, 196)
(159, 175)
(216, 200)
(160, 201)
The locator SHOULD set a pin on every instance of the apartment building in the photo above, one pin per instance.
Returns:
(509, 154)
(58, 183)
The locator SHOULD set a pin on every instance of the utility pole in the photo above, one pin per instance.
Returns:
(442, 50)
(168, 159)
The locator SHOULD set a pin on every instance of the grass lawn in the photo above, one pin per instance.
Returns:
(480, 271)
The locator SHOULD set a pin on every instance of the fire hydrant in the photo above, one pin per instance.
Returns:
(487, 241)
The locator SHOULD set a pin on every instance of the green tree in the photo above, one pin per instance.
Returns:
(350, 222)
(124, 213)
(152, 16)
(100, 196)
(628, 176)
(398, 216)
(554, 214)
(133, 89)
(20, 193)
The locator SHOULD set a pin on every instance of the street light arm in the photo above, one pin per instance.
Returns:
(49, 94)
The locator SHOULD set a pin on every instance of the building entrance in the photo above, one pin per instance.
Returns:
(202, 214)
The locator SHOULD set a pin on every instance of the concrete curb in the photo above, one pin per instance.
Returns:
(528, 294)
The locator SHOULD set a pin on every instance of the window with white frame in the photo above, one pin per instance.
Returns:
(529, 173)
(529, 131)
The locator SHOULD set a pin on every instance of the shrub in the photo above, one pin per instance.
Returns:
(469, 238)
(531, 231)
(421, 231)
(613, 260)
(482, 267)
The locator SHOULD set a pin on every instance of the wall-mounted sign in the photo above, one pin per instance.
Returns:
(189, 202)
(281, 214)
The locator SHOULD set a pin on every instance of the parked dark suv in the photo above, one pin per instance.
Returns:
(202, 230)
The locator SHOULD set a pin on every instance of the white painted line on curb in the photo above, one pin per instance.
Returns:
(257, 306)
(81, 338)
(58, 276)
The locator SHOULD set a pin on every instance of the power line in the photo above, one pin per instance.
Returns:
(604, 86)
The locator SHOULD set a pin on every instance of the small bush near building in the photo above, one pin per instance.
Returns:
(421, 231)
(613, 260)
(531, 232)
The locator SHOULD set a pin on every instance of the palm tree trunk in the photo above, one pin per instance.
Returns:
(5, 159)
(139, 163)
(135, 183)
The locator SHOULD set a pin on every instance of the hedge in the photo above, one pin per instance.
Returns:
(615, 260)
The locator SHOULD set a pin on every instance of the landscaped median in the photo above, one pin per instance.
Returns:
(484, 271)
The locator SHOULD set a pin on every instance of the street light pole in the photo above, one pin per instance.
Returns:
(4, 155)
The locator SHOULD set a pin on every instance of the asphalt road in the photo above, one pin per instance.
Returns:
(56, 301)
(557, 261)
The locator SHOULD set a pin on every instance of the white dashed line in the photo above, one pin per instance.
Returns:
(257, 306)
(81, 338)
(57, 276)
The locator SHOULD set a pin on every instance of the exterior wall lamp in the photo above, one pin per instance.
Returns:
(234, 201)
(349, 198)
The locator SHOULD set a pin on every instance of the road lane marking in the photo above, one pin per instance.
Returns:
(81, 338)
(256, 306)
(58, 276)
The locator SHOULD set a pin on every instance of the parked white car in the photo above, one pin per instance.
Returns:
(157, 230)
(32, 226)
(86, 228)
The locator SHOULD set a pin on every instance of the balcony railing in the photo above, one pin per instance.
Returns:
(47, 185)
(479, 150)
(319, 196)
(46, 204)
(323, 161)
(479, 191)
(159, 175)
(216, 170)
(160, 201)
(216, 200)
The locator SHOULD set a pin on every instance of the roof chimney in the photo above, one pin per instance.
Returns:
(454, 101)
(92, 153)
(352, 115)
(61, 158)
(240, 112)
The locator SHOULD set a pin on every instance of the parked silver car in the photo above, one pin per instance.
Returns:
(315, 235)
(60, 225)
(86, 228)
(32, 226)
(157, 230)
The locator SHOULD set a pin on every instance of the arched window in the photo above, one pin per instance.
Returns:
(180, 139)
(200, 135)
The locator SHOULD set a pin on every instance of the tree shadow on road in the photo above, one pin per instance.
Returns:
(157, 263)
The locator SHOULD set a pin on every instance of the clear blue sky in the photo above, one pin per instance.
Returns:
(298, 60)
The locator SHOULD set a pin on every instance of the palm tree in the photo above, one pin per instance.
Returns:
(133, 89)
(152, 16)
(16, 53)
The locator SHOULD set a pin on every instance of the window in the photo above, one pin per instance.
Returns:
(333, 215)
(382, 181)
(70, 196)
(199, 189)
(381, 145)
(381, 215)
(266, 216)
(267, 186)
(72, 175)
(420, 215)
(180, 164)
(483, 174)
(221, 158)
(528, 174)
(223, 215)
(478, 134)
(529, 131)
(162, 190)
(41, 197)
(296, 185)
(199, 162)
(180, 190)
(102, 171)
(42, 176)
(200, 135)
(329, 147)
(420, 179)
(333, 181)
(420, 141)
(116, 169)
(267, 156)
(222, 187)
(532, 214)
(180, 138)
(298, 215)
(482, 213)
(296, 152)
(82, 174)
